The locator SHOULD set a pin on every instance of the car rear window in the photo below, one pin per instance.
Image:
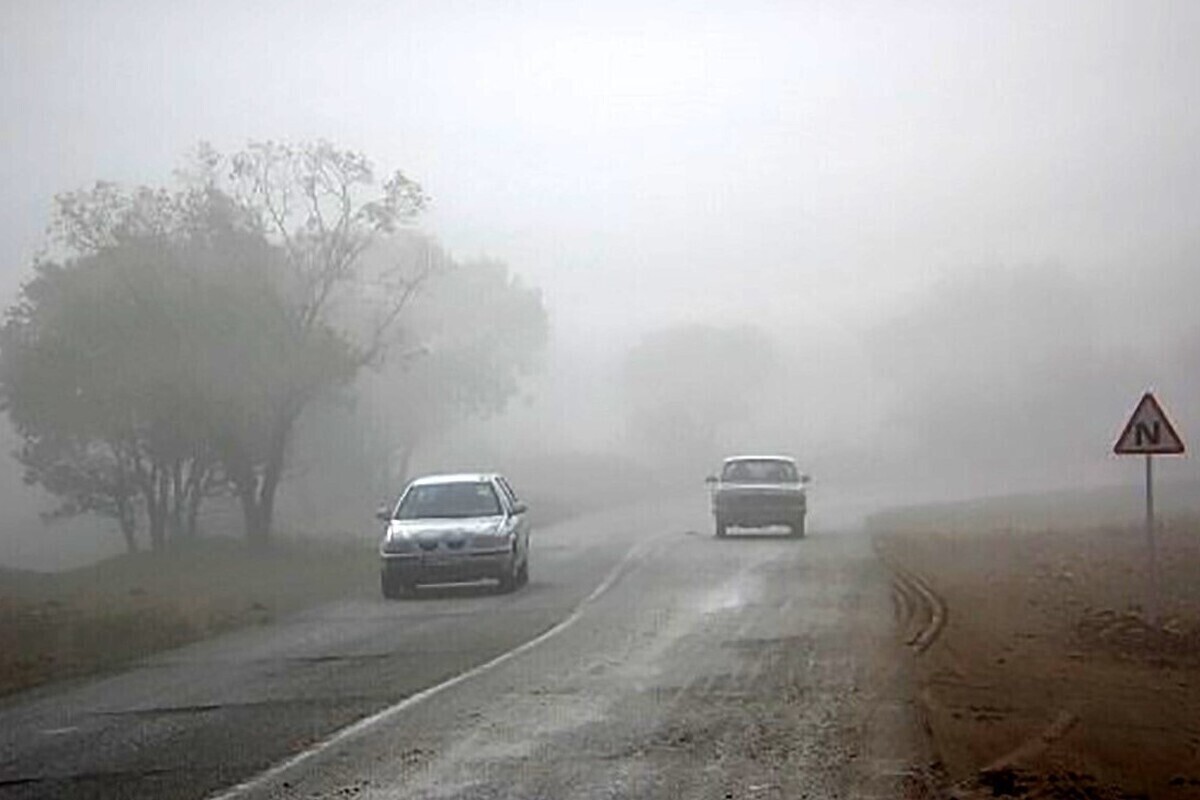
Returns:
(759, 471)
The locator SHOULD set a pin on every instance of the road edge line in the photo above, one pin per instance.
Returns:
(384, 715)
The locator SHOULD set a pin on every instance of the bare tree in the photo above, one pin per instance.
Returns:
(324, 208)
(219, 309)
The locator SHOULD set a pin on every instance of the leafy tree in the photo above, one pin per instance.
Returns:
(102, 362)
(260, 332)
(185, 330)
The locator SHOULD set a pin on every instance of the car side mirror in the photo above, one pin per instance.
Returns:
(805, 479)
(711, 479)
(519, 508)
(383, 514)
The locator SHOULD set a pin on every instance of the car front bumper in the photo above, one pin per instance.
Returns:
(442, 567)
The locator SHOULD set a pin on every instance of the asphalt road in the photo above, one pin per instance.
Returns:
(645, 659)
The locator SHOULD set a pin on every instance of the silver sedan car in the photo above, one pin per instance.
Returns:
(455, 529)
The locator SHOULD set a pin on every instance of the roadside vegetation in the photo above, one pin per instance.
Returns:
(175, 342)
(55, 626)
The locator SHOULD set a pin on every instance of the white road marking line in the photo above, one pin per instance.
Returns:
(384, 716)
(60, 731)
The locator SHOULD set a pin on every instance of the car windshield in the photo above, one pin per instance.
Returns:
(452, 500)
(759, 471)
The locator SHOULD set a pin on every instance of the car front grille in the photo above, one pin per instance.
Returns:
(429, 545)
(760, 502)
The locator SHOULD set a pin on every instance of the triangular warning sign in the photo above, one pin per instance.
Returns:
(1148, 431)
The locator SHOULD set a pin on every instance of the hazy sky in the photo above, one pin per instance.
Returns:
(890, 183)
(815, 161)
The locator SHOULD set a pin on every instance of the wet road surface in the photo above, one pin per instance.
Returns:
(645, 659)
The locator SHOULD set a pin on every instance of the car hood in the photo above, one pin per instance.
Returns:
(443, 529)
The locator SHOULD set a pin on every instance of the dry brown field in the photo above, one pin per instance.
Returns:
(1051, 676)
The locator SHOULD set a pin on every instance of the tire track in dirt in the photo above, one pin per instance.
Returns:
(921, 614)
(920, 611)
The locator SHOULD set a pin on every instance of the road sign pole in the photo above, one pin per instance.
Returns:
(1149, 433)
(1151, 545)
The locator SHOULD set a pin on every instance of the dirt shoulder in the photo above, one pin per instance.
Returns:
(69, 624)
(1049, 678)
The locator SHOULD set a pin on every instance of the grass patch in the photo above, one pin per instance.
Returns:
(79, 622)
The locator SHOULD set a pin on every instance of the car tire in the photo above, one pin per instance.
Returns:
(393, 588)
(721, 529)
(798, 528)
(508, 581)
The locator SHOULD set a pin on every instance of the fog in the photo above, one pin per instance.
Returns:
(964, 233)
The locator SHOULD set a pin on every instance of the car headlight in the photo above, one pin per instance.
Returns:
(496, 538)
(397, 541)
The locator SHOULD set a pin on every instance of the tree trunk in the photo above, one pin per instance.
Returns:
(158, 528)
(127, 522)
(258, 505)
(178, 495)
(123, 492)
(150, 482)
(190, 477)
(257, 534)
(157, 499)
(266, 499)
(191, 522)
(196, 485)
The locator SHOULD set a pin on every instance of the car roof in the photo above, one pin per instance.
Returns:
(457, 477)
(788, 459)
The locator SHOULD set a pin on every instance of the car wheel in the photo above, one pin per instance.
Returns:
(798, 528)
(393, 588)
(508, 581)
(721, 529)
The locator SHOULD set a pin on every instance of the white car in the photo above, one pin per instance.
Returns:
(454, 529)
(759, 492)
